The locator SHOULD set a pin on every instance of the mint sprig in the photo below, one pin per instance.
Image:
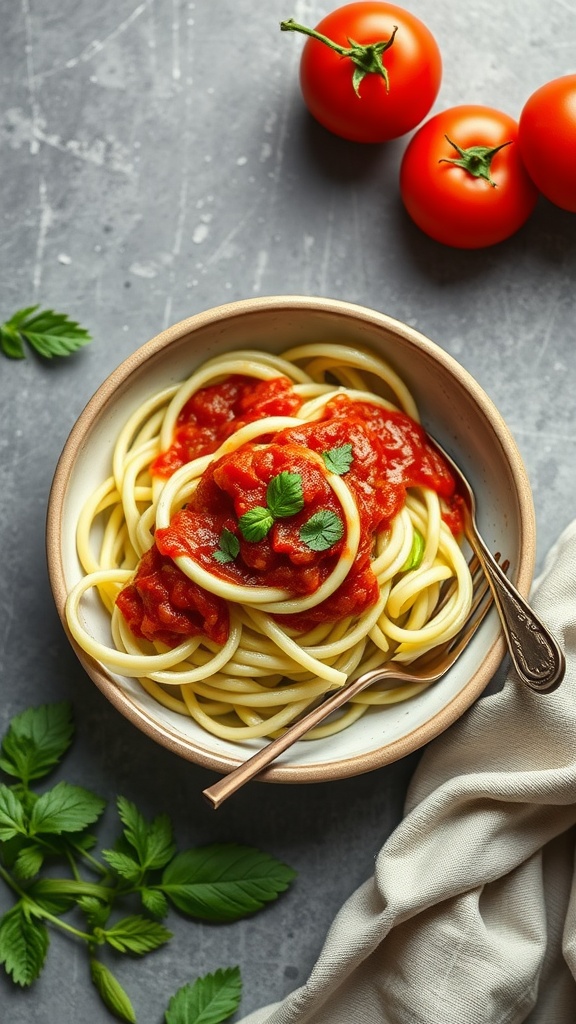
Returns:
(284, 498)
(143, 872)
(47, 332)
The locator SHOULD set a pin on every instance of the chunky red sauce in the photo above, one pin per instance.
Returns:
(390, 454)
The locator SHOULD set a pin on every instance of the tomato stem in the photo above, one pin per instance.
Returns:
(367, 57)
(476, 160)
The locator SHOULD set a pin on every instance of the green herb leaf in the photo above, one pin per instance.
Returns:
(111, 992)
(65, 808)
(123, 865)
(47, 332)
(23, 945)
(136, 934)
(209, 1000)
(12, 815)
(95, 911)
(28, 862)
(154, 901)
(416, 552)
(338, 460)
(224, 882)
(229, 548)
(36, 741)
(322, 530)
(152, 841)
(284, 495)
(256, 523)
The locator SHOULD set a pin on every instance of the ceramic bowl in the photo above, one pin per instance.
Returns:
(453, 407)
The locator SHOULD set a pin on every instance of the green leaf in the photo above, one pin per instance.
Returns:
(136, 934)
(154, 901)
(111, 992)
(322, 530)
(256, 523)
(47, 332)
(53, 902)
(152, 841)
(23, 945)
(284, 495)
(229, 548)
(123, 865)
(36, 741)
(28, 862)
(224, 882)
(12, 814)
(208, 1000)
(65, 808)
(416, 552)
(95, 911)
(338, 460)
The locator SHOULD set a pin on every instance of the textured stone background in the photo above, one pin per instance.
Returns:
(156, 160)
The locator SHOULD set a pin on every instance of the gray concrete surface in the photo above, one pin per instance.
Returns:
(155, 160)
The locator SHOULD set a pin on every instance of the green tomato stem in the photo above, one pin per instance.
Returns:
(476, 160)
(367, 57)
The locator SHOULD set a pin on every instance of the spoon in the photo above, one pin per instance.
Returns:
(535, 653)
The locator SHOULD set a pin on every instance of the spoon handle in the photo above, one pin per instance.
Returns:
(536, 654)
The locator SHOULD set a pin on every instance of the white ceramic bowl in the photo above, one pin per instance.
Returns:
(453, 407)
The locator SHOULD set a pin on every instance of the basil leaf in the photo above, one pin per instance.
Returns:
(224, 882)
(284, 495)
(322, 530)
(36, 741)
(229, 548)
(65, 808)
(23, 945)
(255, 523)
(111, 992)
(338, 460)
(208, 1000)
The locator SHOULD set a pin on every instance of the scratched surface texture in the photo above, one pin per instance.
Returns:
(155, 160)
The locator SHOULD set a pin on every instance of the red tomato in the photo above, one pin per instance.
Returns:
(467, 208)
(377, 110)
(547, 140)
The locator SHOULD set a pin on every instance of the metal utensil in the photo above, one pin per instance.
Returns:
(535, 652)
(426, 669)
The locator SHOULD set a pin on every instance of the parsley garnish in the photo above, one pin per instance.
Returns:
(229, 547)
(221, 882)
(416, 552)
(338, 460)
(322, 530)
(48, 333)
(284, 498)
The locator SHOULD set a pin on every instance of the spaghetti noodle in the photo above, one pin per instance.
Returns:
(272, 527)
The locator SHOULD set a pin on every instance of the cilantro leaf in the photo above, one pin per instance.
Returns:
(135, 934)
(23, 945)
(416, 552)
(152, 841)
(338, 460)
(111, 992)
(322, 530)
(47, 332)
(65, 808)
(36, 741)
(229, 548)
(209, 1000)
(284, 495)
(224, 882)
(12, 815)
(256, 523)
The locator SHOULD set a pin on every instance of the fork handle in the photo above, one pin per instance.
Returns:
(232, 782)
(535, 652)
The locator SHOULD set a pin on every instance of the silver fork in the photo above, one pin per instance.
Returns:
(428, 668)
(535, 652)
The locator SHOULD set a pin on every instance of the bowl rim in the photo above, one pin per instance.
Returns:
(161, 733)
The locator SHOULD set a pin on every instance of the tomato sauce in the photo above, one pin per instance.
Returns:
(390, 453)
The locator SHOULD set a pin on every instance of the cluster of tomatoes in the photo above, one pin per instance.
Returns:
(471, 175)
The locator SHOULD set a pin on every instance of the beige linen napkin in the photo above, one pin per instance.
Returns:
(470, 917)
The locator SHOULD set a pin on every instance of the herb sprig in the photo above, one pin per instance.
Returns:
(47, 332)
(144, 870)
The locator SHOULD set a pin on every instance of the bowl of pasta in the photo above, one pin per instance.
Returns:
(249, 512)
